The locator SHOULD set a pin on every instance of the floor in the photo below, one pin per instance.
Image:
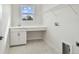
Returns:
(32, 47)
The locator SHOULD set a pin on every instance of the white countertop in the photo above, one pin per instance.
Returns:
(28, 27)
(31, 28)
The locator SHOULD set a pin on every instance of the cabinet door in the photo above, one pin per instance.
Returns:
(22, 37)
(18, 37)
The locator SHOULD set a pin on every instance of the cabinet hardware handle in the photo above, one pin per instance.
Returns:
(18, 34)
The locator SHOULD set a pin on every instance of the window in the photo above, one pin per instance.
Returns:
(27, 13)
(27, 10)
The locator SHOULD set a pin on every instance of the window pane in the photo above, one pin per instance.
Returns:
(26, 10)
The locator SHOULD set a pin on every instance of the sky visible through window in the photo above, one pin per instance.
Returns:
(26, 10)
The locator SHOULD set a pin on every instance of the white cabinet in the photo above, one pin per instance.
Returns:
(17, 37)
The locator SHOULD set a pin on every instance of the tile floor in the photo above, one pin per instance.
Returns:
(32, 47)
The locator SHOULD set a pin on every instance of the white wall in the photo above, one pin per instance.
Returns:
(76, 10)
(1, 19)
(67, 31)
(4, 44)
(47, 7)
(5, 18)
(16, 16)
